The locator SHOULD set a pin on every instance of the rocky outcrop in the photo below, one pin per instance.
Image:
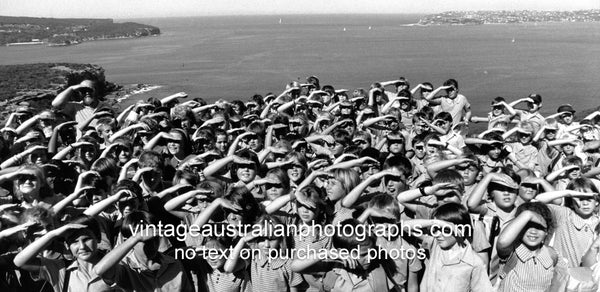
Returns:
(38, 84)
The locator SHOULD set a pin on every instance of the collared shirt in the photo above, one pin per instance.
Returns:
(169, 277)
(453, 139)
(533, 271)
(347, 281)
(80, 279)
(526, 154)
(456, 270)
(456, 107)
(404, 264)
(274, 275)
(574, 235)
(213, 280)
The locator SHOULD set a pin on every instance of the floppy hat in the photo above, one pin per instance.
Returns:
(505, 180)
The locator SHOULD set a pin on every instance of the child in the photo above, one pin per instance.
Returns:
(211, 273)
(350, 273)
(578, 218)
(143, 267)
(82, 238)
(502, 190)
(383, 211)
(529, 263)
(454, 103)
(453, 264)
(268, 273)
(497, 118)
(309, 212)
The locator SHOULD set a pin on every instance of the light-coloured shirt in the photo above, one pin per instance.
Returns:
(533, 271)
(456, 107)
(54, 271)
(574, 234)
(455, 270)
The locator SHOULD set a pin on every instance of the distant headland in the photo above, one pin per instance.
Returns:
(67, 31)
(505, 17)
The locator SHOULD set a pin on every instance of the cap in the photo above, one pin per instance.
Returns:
(505, 180)
(565, 108)
(536, 98)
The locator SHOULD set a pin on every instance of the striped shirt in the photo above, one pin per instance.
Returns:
(274, 275)
(213, 280)
(533, 271)
(574, 235)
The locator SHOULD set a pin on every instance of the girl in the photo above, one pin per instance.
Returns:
(211, 273)
(296, 171)
(453, 264)
(529, 263)
(268, 273)
(578, 218)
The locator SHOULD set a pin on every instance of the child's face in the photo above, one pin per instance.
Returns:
(550, 134)
(574, 173)
(497, 110)
(525, 138)
(222, 143)
(504, 198)
(535, 233)
(567, 118)
(469, 173)
(246, 172)
(585, 206)
(443, 239)
(568, 149)
(528, 191)
(306, 213)
(84, 246)
(445, 125)
(495, 151)
(419, 149)
(295, 172)
(533, 107)
(274, 188)
(334, 188)
(106, 132)
(395, 144)
(395, 185)
(234, 219)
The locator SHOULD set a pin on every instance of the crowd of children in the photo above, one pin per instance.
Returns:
(514, 207)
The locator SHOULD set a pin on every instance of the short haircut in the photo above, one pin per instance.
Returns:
(91, 225)
(354, 238)
(457, 214)
(399, 162)
(450, 176)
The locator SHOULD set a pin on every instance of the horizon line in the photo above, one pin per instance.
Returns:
(295, 14)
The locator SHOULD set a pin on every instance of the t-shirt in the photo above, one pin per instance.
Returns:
(456, 107)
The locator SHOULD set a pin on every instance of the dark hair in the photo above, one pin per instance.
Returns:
(540, 209)
(134, 219)
(451, 82)
(401, 163)
(91, 225)
(249, 155)
(243, 198)
(350, 240)
(457, 214)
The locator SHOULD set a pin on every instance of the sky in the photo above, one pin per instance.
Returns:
(178, 8)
